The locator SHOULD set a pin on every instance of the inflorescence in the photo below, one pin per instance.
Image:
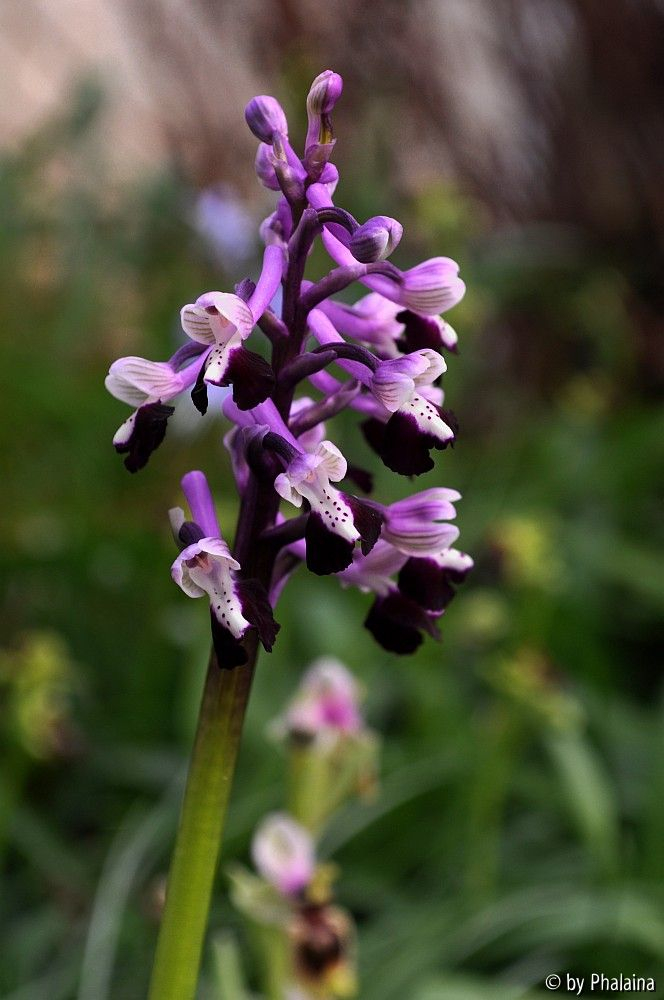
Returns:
(389, 346)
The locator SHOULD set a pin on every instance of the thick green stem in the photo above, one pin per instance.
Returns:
(308, 787)
(190, 881)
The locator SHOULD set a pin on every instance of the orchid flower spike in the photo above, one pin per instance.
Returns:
(379, 358)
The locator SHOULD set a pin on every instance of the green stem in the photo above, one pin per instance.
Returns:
(308, 783)
(190, 881)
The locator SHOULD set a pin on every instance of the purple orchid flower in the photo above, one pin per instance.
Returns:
(407, 425)
(411, 590)
(225, 321)
(205, 567)
(336, 520)
(325, 707)
(149, 386)
(284, 854)
(319, 144)
(387, 348)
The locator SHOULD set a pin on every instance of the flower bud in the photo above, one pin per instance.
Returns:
(324, 93)
(264, 167)
(265, 116)
(376, 239)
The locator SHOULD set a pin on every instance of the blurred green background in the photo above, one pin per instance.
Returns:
(519, 829)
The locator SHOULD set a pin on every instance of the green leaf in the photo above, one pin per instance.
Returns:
(228, 977)
(590, 795)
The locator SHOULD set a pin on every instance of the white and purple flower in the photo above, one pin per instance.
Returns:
(405, 440)
(283, 853)
(408, 423)
(336, 520)
(205, 567)
(416, 425)
(373, 573)
(149, 386)
(326, 704)
(412, 570)
(222, 322)
(396, 381)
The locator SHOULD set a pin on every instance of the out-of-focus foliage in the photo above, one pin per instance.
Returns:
(520, 825)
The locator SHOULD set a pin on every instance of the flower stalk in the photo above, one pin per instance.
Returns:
(200, 831)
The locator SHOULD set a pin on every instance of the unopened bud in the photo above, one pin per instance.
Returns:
(324, 93)
(376, 239)
(265, 116)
